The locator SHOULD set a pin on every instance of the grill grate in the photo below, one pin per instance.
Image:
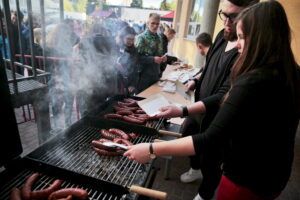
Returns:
(45, 181)
(76, 154)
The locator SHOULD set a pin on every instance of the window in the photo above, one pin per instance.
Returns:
(195, 18)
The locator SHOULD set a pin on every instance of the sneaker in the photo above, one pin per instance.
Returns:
(198, 197)
(191, 175)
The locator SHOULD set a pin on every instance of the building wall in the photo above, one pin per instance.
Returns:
(185, 48)
(292, 8)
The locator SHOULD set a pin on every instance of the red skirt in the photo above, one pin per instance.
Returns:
(231, 191)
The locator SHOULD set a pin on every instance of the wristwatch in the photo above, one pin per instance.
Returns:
(151, 152)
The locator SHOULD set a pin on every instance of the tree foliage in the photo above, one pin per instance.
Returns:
(80, 6)
(136, 3)
(173, 5)
(164, 5)
(68, 6)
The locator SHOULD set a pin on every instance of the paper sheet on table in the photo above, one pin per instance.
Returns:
(152, 104)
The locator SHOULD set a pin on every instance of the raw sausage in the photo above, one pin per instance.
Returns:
(140, 111)
(67, 198)
(138, 118)
(15, 194)
(119, 133)
(133, 120)
(107, 134)
(131, 104)
(112, 116)
(106, 153)
(26, 189)
(75, 192)
(40, 194)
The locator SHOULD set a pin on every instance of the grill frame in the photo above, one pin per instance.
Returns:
(16, 175)
(139, 172)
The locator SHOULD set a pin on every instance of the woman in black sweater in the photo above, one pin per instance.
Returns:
(259, 115)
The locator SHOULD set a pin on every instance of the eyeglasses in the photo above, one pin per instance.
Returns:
(231, 17)
(154, 23)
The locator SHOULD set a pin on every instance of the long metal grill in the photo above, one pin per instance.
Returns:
(45, 181)
(76, 154)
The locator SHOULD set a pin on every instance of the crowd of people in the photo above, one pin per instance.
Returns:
(91, 62)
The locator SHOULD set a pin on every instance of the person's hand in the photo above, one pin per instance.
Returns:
(138, 152)
(158, 60)
(164, 58)
(170, 111)
(190, 85)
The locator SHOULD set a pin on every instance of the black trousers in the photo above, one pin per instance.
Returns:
(209, 162)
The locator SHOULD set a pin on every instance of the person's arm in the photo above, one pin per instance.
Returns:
(214, 137)
(175, 111)
(179, 147)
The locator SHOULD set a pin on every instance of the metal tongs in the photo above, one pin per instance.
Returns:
(113, 144)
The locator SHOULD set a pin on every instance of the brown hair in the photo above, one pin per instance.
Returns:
(244, 3)
(267, 40)
(204, 39)
(127, 30)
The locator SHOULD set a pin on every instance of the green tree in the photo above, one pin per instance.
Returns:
(173, 5)
(164, 5)
(68, 6)
(136, 3)
(80, 6)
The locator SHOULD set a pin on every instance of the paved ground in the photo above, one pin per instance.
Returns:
(175, 189)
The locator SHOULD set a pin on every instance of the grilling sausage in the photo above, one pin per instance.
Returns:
(98, 144)
(108, 135)
(66, 192)
(69, 197)
(123, 141)
(140, 111)
(131, 104)
(124, 112)
(133, 120)
(129, 100)
(106, 153)
(132, 135)
(40, 194)
(119, 133)
(26, 189)
(112, 116)
(15, 194)
(138, 118)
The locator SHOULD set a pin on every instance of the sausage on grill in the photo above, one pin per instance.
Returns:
(40, 194)
(26, 189)
(129, 100)
(112, 116)
(15, 194)
(119, 132)
(123, 141)
(133, 120)
(107, 134)
(98, 144)
(140, 111)
(106, 153)
(132, 135)
(124, 112)
(66, 192)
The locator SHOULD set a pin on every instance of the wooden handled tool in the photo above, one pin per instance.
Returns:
(169, 133)
(148, 192)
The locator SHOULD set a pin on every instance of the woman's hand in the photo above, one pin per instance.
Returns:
(138, 152)
(170, 112)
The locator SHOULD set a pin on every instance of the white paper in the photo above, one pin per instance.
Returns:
(152, 104)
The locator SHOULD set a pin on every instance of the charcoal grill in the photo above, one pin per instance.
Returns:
(72, 150)
(69, 157)
(107, 107)
(15, 177)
